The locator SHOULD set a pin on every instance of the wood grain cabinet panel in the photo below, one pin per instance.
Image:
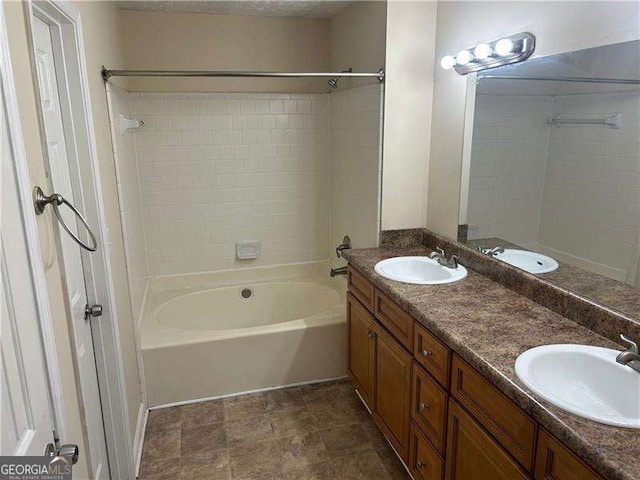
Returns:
(360, 287)
(361, 349)
(394, 318)
(472, 454)
(424, 462)
(432, 354)
(555, 462)
(494, 411)
(392, 390)
(429, 407)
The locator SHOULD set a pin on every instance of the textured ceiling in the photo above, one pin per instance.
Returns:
(269, 8)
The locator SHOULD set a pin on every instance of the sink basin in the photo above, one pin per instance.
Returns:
(419, 271)
(531, 262)
(586, 381)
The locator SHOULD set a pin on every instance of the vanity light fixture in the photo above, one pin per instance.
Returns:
(503, 51)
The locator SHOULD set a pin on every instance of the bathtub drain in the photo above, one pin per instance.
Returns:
(246, 293)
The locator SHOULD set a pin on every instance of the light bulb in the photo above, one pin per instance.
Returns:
(504, 47)
(464, 57)
(447, 62)
(482, 51)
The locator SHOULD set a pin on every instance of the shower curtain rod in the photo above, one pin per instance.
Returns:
(622, 81)
(107, 73)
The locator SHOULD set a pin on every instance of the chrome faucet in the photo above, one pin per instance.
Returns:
(631, 357)
(490, 251)
(338, 271)
(441, 258)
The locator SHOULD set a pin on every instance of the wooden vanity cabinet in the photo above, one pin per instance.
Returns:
(381, 373)
(441, 416)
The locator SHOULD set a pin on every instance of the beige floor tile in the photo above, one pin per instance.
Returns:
(251, 461)
(332, 413)
(360, 466)
(287, 399)
(200, 444)
(292, 422)
(248, 430)
(301, 450)
(244, 406)
(346, 440)
(163, 469)
(318, 471)
(204, 413)
(160, 444)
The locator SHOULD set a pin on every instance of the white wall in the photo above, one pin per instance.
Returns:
(216, 169)
(357, 38)
(508, 159)
(195, 41)
(355, 170)
(124, 155)
(407, 112)
(558, 26)
(591, 204)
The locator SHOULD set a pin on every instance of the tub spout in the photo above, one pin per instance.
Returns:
(338, 271)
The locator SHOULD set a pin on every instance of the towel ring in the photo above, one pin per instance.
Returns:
(40, 201)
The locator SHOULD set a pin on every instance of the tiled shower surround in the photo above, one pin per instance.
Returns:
(216, 169)
(293, 171)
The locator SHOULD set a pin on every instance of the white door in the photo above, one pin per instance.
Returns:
(72, 262)
(25, 411)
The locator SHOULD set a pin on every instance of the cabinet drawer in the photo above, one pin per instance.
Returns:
(472, 454)
(360, 287)
(424, 461)
(555, 462)
(495, 412)
(429, 407)
(394, 318)
(432, 354)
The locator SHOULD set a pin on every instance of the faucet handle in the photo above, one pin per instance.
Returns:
(633, 346)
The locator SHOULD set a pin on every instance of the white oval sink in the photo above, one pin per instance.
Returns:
(531, 262)
(419, 271)
(586, 381)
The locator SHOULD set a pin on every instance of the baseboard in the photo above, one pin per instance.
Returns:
(248, 392)
(138, 441)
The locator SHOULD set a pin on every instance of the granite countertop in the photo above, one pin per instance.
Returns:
(607, 291)
(489, 325)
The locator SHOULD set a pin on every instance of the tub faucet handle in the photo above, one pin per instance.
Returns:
(345, 245)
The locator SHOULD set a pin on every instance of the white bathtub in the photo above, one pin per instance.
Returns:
(200, 337)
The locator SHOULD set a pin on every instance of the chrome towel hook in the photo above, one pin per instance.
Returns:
(40, 201)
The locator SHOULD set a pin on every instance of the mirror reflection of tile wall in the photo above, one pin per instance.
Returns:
(569, 191)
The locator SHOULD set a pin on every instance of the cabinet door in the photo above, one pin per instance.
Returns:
(555, 462)
(393, 390)
(361, 349)
(472, 454)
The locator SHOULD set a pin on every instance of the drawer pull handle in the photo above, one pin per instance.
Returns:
(371, 334)
(423, 406)
(421, 464)
(426, 353)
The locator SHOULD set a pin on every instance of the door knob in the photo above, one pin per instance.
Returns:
(92, 311)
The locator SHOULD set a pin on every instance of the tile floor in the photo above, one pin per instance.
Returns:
(316, 432)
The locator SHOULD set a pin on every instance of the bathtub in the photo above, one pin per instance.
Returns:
(201, 338)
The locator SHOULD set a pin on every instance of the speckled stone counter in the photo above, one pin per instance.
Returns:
(603, 290)
(489, 325)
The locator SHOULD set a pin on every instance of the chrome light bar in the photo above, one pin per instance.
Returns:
(504, 51)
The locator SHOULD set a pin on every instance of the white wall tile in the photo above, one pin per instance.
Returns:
(236, 171)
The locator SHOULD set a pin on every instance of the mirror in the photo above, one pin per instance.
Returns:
(551, 171)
